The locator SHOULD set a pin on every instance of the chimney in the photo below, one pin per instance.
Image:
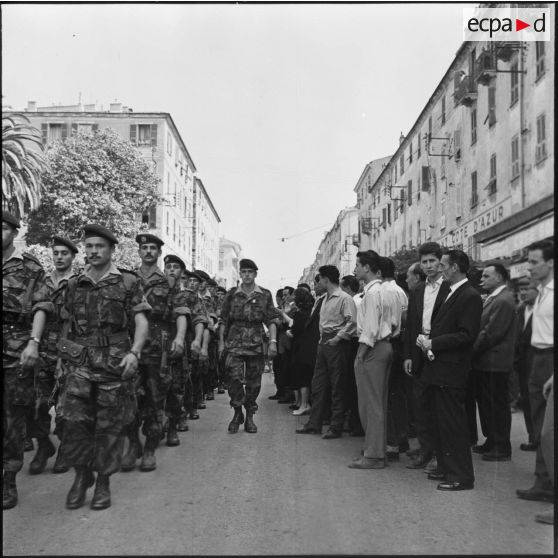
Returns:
(115, 107)
(401, 138)
(31, 106)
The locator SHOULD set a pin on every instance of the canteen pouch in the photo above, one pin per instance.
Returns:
(71, 352)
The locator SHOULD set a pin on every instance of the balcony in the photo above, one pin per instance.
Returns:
(465, 92)
(486, 67)
(506, 49)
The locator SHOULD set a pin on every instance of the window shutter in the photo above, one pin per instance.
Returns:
(134, 133)
(153, 135)
(425, 178)
(95, 128)
(64, 131)
(410, 192)
(74, 128)
(44, 133)
(457, 144)
(384, 217)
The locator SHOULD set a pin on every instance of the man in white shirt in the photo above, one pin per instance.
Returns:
(541, 268)
(373, 362)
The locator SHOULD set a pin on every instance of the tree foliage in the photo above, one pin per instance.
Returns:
(22, 164)
(94, 178)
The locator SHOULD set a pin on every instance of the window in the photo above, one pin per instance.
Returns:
(458, 201)
(442, 214)
(473, 126)
(401, 165)
(411, 151)
(395, 173)
(540, 152)
(443, 110)
(395, 211)
(411, 233)
(492, 104)
(419, 144)
(539, 55)
(514, 83)
(474, 193)
(389, 214)
(57, 132)
(143, 134)
(410, 192)
(515, 156)
(167, 222)
(169, 143)
(418, 233)
(457, 145)
(418, 187)
(492, 181)
(429, 128)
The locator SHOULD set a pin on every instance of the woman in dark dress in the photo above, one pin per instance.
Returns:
(304, 348)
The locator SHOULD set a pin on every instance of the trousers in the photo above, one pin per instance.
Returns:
(245, 379)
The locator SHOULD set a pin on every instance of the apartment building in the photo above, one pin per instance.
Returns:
(230, 253)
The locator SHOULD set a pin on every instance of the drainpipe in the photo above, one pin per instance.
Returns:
(522, 54)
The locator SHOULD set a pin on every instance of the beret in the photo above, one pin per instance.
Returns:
(98, 230)
(212, 282)
(12, 220)
(247, 264)
(171, 258)
(202, 275)
(194, 274)
(61, 241)
(146, 238)
(221, 289)
(526, 282)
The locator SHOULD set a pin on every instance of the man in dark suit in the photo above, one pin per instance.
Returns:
(448, 348)
(424, 302)
(528, 293)
(493, 354)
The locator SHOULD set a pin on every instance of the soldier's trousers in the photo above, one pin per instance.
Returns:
(152, 389)
(17, 402)
(38, 418)
(95, 414)
(211, 380)
(245, 379)
(177, 396)
(199, 372)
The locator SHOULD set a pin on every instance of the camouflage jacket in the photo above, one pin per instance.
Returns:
(24, 291)
(243, 317)
(101, 315)
(167, 303)
(210, 304)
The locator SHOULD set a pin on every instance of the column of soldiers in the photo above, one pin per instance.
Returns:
(112, 350)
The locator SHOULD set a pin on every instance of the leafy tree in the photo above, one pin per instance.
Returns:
(94, 178)
(22, 164)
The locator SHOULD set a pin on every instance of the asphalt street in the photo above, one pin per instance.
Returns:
(277, 492)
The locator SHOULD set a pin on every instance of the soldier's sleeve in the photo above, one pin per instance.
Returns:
(180, 305)
(272, 315)
(41, 297)
(138, 302)
(225, 309)
(199, 316)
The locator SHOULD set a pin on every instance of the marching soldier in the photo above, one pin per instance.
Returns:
(63, 254)
(25, 305)
(177, 403)
(100, 306)
(165, 342)
(207, 294)
(222, 381)
(245, 310)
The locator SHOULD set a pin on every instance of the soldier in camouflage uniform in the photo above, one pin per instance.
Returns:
(100, 306)
(38, 424)
(167, 328)
(245, 310)
(179, 397)
(222, 380)
(25, 305)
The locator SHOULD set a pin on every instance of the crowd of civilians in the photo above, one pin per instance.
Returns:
(391, 360)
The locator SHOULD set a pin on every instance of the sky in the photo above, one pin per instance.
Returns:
(280, 106)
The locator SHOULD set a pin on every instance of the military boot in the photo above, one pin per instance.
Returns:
(60, 465)
(172, 434)
(76, 496)
(45, 450)
(148, 462)
(9, 490)
(236, 421)
(183, 423)
(101, 497)
(134, 450)
(249, 425)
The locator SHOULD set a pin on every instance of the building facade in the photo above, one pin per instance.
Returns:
(337, 246)
(230, 253)
(476, 170)
(185, 219)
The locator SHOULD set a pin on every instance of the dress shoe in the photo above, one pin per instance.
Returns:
(210, 396)
(413, 452)
(357, 433)
(101, 496)
(535, 494)
(193, 415)
(182, 425)
(236, 421)
(201, 406)
(83, 480)
(454, 485)
(419, 462)
(45, 450)
(302, 411)
(60, 465)
(275, 397)
(220, 391)
(172, 435)
(294, 407)
(547, 517)
(9, 490)
(28, 445)
(493, 455)
(330, 434)
(368, 463)
(249, 425)
(481, 448)
(307, 430)
(436, 476)
(392, 455)
(432, 466)
(528, 447)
